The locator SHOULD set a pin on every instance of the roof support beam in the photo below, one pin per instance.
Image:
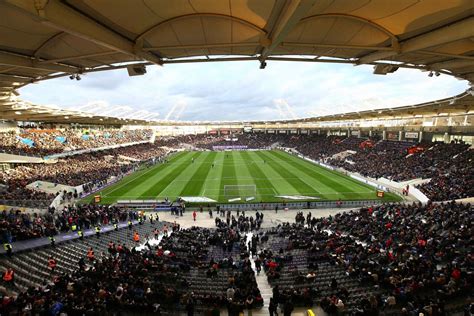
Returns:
(12, 78)
(457, 31)
(291, 14)
(424, 52)
(56, 14)
(315, 45)
(452, 64)
(85, 56)
(201, 46)
(21, 61)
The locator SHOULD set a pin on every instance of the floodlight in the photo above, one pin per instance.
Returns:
(136, 70)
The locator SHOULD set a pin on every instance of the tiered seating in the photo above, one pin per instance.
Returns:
(31, 267)
(173, 272)
(294, 274)
(42, 142)
(90, 170)
(392, 257)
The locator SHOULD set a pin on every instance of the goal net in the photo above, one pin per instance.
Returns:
(242, 191)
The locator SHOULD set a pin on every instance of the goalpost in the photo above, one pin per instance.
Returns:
(240, 191)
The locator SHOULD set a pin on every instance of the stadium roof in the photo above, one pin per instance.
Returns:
(46, 39)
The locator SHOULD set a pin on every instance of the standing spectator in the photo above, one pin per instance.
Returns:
(9, 276)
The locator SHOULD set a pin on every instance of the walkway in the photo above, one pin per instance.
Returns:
(266, 291)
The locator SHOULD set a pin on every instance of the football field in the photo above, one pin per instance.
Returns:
(239, 176)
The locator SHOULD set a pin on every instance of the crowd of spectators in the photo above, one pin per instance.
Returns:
(43, 142)
(454, 180)
(16, 225)
(408, 259)
(391, 160)
(449, 165)
(89, 170)
(167, 277)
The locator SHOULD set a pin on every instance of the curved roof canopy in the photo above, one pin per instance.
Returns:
(45, 39)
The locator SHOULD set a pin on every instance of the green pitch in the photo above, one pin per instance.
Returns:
(257, 176)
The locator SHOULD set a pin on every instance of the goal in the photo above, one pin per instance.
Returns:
(242, 191)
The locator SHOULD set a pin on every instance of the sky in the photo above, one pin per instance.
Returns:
(241, 91)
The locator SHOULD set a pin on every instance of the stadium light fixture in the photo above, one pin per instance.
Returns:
(71, 77)
(430, 74)
(78, 77)
(437, 74)
(136, 70)
(384, 69)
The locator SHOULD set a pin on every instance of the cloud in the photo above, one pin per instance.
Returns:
(241, 91)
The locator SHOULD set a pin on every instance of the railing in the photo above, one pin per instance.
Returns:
(19, 154)
(40, 204)
(300, 205)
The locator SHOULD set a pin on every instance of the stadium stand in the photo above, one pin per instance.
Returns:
(190, 266)
(63, 257)
(395, 258)
(388, 159)
(89, 170)
(16, 226)
(43, 142)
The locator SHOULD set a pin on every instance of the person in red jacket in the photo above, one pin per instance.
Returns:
(9, 276)
(194, 215)
(90, 254)
(52, 264)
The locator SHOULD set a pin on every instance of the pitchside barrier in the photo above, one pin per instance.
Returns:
(300, 205)
(156, 205)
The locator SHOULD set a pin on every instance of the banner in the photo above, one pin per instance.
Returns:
(366, 144)
(415, 149)
(61, 139)
(411, 135)
(85, 137)
(224, 147)
(27, 141)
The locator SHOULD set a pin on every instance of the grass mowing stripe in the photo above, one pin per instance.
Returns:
(156, 188)
(210, 189)
(328, 173)
(281, 174)
(228, 175)
(281, 185)
(121, 187)
(245, 177)
(136, 188)
(328, 189)
(174, 188)
(353, 191)
(135, 179)
(296, 183)
(263, 181)
(356, 190)
(193, 188)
